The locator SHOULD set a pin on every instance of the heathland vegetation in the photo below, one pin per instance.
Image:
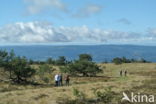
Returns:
(19, 68)
(32, 82)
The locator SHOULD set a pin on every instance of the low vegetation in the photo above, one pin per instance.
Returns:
(25, 82)
(19, 68)
(118, 60)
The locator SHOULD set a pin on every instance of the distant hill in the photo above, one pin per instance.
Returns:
(100, 53)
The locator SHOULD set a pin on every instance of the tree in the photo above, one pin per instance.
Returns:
(82, 66)
(43, 69)
(133, 60)
(8, 65)
(61, 61)
(21, 69)
(117, 61)
(31, 62)
(18, 67)
(86, 57)
(3, 57)
(50, 61)
(85, 68)
(142, 60)
(89, 68)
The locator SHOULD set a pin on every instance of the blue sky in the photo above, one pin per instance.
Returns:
(75, 21)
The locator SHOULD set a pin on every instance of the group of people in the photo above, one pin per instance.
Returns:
(123, 72)
(59, 80)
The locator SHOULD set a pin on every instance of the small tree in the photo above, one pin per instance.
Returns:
(61, 61)
(125, 60)
(117, 61)
(31, 62)
(87, 68)
(142, 60)
(3, 58)
(80, 96)
(82, 66)
(8, 64)
(43, 69)
(21, 69)
(86, 57)
(105, 96)
(50, 61)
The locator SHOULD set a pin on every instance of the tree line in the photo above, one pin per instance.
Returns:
(121, 60)
(20, 68)
(60, 61)
(17, 67)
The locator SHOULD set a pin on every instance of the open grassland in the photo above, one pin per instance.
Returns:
(141, 78)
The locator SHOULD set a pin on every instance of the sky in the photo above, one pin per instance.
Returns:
(78, 22)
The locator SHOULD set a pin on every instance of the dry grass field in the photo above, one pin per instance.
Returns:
(141, 78)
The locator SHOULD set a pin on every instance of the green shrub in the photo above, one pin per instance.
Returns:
(102, 97)
(78, 94)
(46, 79)
(105, 96)
(80, 98)
(43, 71)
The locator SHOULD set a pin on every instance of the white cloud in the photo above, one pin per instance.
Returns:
(88, 10)
(43, 32)
(38, 6)
(55, 7)
(152, 32)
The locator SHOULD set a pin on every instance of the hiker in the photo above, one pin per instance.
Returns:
(56, 80)
(121, 73)
(60, 80)
(125, 73)
(67, 79)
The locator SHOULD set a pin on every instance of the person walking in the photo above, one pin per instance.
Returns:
(56, 78)
(60, 80)
(67, 80)
(120, 73)
(125, 73)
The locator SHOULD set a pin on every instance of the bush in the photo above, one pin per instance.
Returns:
(46, 79)
(106, 96)
(102, 97)
(43, 71)
(118, 60)
(79, 95)
(80, 98)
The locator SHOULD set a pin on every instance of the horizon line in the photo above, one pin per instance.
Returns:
(62, 44)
